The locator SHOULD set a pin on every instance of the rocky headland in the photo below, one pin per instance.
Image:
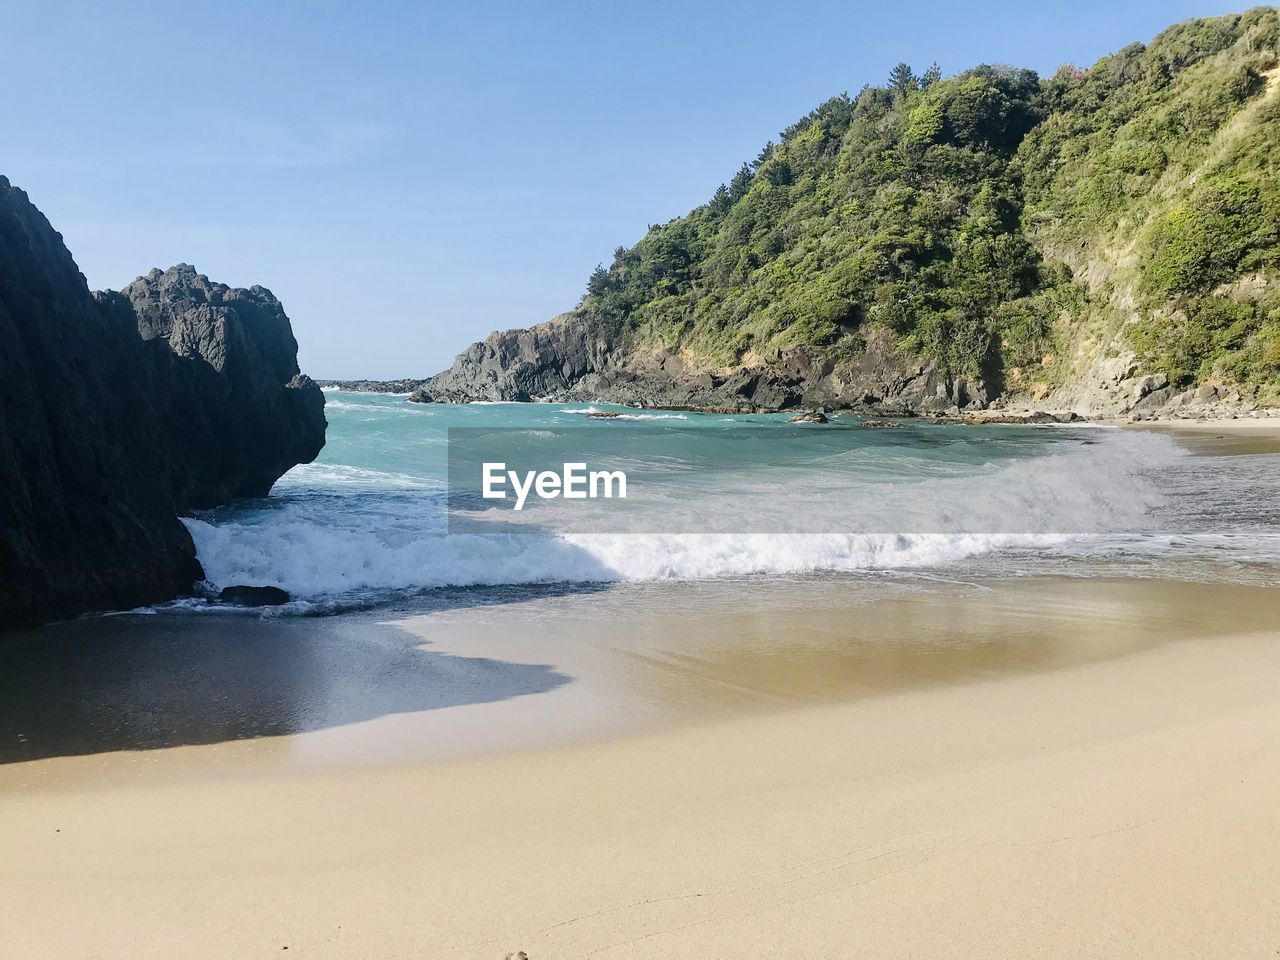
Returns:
(119, 411)
(1100, 242)
(564, 360)
(404, 386)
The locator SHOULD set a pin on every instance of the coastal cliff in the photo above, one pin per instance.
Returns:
(1102, 241)
(568, 360)
(121, 410)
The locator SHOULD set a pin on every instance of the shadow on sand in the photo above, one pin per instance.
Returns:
(141, 682)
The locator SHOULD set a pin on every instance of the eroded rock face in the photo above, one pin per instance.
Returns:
(539, 362)
(565, 360)
(247, 415)
(119, 411)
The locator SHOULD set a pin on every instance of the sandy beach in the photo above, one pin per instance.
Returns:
(1070, 770)
(872, 766)
(1244, 435)
(661, 484)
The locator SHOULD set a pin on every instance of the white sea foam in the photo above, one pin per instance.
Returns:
(930, 497)
(394, 536)
(312, 560)
(625, 416)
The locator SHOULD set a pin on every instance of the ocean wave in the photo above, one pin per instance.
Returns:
(394, 537)
(377, 409)
(337, 534)
(618, 415)
(312, 560)
(323, 475)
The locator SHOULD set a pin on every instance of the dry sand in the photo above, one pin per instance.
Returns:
(1079, 807)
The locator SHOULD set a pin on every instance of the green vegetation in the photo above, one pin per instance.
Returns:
(987, 219)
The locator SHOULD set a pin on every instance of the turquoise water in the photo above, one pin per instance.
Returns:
(741, 496)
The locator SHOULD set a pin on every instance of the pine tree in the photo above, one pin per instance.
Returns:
(740, 183)
(901, 79)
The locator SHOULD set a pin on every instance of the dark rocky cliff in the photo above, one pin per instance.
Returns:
(119, 411)
(545, 361)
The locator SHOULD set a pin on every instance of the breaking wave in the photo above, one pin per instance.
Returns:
(369, 521)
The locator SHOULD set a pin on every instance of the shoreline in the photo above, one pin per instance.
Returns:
(1267, 418)
(543, 669)
(1112, 808)
(1219, 437)
(1049, 766)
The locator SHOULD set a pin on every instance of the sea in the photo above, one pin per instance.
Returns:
(373, 519)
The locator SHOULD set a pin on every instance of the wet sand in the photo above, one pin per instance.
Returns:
(520, 668)
(1050, 768)
(1221, 437)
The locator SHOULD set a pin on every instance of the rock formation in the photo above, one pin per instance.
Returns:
(120, 411)
(407, 385)
(544, 361)
(564, 360)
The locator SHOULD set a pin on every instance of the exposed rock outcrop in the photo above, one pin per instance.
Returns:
(566, 360)
(240, 413)
(538, 363)
(811, 416)
(119, 411)
(374, 386)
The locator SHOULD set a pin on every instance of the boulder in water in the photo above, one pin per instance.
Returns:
(247, 596)
(812, 416)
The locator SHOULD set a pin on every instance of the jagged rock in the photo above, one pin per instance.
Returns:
(566, 360)
(123, 410)
(1153, 399)
(246, 596)
(240, 414)
(811, 416)
(519, 364)
(374, 386)
(1149, 384)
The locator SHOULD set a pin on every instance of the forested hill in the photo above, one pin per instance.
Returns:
(1025, 233)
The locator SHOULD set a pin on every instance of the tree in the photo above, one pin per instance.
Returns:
(741, 182)
(930, 76)
(600, 281)
(901, 79)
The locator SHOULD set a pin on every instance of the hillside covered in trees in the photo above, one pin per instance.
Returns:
(1016, 230)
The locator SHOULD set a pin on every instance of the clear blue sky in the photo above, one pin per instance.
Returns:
(409, 176)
